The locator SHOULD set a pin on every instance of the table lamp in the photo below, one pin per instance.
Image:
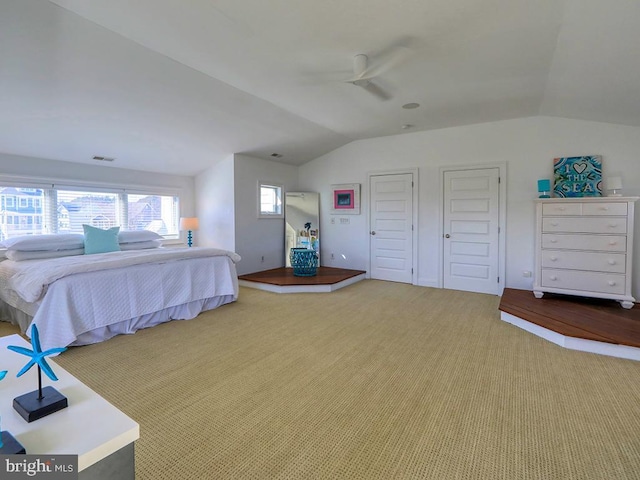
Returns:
(614, 186)
(189, 224)
(544, 188)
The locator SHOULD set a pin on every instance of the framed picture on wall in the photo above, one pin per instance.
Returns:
(345, 199)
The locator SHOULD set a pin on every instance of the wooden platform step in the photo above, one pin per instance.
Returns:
(579, 317)
(285, 276)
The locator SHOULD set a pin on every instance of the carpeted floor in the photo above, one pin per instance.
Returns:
(375, 381)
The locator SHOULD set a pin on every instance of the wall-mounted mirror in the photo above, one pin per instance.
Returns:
(302, 222)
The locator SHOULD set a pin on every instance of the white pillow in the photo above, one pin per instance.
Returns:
(131, 236)
(141, 245)
(50, 242)
(20, 255)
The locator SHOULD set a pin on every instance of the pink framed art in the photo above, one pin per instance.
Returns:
(345, 199)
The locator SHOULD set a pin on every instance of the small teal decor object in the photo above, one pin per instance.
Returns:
(544, 188)
(44, 401)
(304, 262)
(577, 176)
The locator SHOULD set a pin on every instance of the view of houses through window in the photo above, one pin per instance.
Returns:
(25, 211)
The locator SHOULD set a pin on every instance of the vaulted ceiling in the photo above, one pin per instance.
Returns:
(172, 86)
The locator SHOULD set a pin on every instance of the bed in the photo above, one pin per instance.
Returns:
(84, 299)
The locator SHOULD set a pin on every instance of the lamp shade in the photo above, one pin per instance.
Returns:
(189, 223)
(544, 185)
(614, 183)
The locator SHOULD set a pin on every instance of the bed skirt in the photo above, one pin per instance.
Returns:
(186, 311)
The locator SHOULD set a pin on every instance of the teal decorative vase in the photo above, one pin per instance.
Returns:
(304, 262)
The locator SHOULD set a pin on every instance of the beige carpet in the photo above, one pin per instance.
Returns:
(375, 381)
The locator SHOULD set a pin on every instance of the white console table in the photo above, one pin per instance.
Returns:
(101, 435)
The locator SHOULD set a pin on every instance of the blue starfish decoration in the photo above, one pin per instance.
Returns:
(37, 355)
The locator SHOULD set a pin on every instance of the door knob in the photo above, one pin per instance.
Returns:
(447, 235)
(373, 232)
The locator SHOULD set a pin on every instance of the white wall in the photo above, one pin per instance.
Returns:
(259, 241)
(227, 199)
(526, 145)
(215, 206)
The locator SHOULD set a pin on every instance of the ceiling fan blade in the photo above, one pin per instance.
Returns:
(397, 57)
(375, 90)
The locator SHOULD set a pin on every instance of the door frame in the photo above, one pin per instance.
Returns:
(502, 218)
(414, 217)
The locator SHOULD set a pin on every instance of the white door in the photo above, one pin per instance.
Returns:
(471, 230)
(391, 221)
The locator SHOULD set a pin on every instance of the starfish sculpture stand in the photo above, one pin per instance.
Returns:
(8, 444)
(44, 401)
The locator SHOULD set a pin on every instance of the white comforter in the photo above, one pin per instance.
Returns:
(32, 277)
(91, 293)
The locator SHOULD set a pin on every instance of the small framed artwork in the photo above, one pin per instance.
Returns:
(345, 199)
(577, 176)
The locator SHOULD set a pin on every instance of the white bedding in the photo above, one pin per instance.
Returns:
(76, 298)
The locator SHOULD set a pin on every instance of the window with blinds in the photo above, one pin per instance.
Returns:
(25, 211)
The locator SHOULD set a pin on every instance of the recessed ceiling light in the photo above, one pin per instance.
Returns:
(409, 106)
(276, 155)
(406, 126)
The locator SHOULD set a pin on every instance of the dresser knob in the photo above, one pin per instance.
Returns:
(612, 262)
(553, 240)
(553, 259)
(613, 225)
(611, 283)
(553, 277)
(604, 208)
(554, 224)
(613, 242)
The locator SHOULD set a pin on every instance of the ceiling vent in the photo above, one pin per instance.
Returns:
(103, 159)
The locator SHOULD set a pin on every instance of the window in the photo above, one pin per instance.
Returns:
(91, 208)
(57, 210)
(153, 212)
(269, 200)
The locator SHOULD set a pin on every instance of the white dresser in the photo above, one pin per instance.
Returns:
(584, 247)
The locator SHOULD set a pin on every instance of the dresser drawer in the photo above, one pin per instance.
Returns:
(585, 224)
(595, 261)
(583, 281)
(606, 243)
(604, 209)
(561, 208)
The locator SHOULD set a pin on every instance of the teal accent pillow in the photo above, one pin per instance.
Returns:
(97, 240)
